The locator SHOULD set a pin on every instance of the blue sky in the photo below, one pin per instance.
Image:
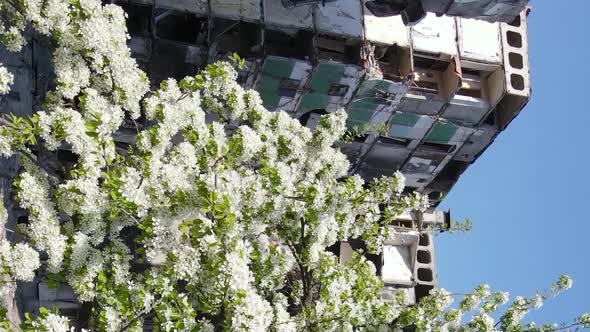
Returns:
(528, 195)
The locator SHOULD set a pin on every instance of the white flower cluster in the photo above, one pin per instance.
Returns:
(337, 296)
(23, 261)
(68, 125)
(5, 147)
(254, 314)
(240, 276)
(186, 265)
(106, 116)
(52, 323)
(480, 323)
(13, 37)
(114, 321)
(91, 42)
(19, 260)
(564, 282)
(473, 300)
(6, 80)
(251, 142)
(72, 72)
(297, 162)
(400, 182)
(44, 226)
(584, 319)
(283, 318)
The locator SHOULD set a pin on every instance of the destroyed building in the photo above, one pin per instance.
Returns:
(427, 99)
(443, 89)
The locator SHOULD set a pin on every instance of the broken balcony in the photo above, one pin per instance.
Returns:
(480, 92)
(434, 83)
(377, 98)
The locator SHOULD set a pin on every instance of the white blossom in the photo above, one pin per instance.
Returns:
(237, 267)
(53, 323)
(24, 261)
(71, 72)
(5, 147)
(254, 316)
(6, 80)
(114, 322)
(13, 38)
(400, 182)
(565, 282)
(537, 301)
(44, 227)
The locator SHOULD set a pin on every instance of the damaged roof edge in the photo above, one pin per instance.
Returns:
(413, 11)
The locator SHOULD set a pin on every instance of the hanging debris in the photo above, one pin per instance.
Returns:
(413, 11)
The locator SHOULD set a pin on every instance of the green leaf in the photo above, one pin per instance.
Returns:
(102, 277)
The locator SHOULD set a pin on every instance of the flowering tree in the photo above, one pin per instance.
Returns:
(218, 225)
